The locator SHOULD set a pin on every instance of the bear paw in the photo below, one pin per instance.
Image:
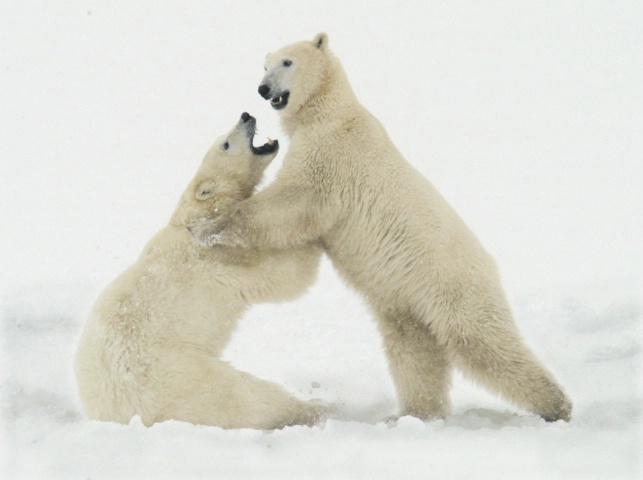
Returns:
(208, 231)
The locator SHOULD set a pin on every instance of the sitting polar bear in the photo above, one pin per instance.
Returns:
(435, 291)
(151, 343)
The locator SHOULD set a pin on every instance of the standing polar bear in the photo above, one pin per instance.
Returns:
(152, 341)
(434, 289)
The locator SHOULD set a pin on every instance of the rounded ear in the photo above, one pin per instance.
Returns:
(321, 41)
(205, 190)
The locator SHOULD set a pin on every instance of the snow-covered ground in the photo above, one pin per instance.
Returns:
(527, 116)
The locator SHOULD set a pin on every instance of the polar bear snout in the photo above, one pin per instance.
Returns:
(248, 123)
(277, 100)
(264, 91)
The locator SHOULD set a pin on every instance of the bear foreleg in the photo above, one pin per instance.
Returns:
(278, 217)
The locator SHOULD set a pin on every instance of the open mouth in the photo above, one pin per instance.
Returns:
(270, 146)
(250, 123)
(281, 101)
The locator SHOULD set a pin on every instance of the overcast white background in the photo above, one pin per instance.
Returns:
(526, 116)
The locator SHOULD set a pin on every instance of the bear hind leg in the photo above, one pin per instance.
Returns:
(419, 365)
(212, 392)
(493, 353)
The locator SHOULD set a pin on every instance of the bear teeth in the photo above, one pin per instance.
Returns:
(276, 100)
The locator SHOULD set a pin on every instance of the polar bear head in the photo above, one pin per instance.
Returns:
(229, 173)
(296, 73)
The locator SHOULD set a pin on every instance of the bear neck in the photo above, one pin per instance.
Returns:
(334, 95)
(189, 210)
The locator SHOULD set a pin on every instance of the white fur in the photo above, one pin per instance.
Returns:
(434, 289)
(151, 344)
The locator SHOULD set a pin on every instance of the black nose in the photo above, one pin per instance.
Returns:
(245, 116)
(264, 91)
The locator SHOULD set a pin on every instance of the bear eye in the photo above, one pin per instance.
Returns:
(226, 145)
(287, 63)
